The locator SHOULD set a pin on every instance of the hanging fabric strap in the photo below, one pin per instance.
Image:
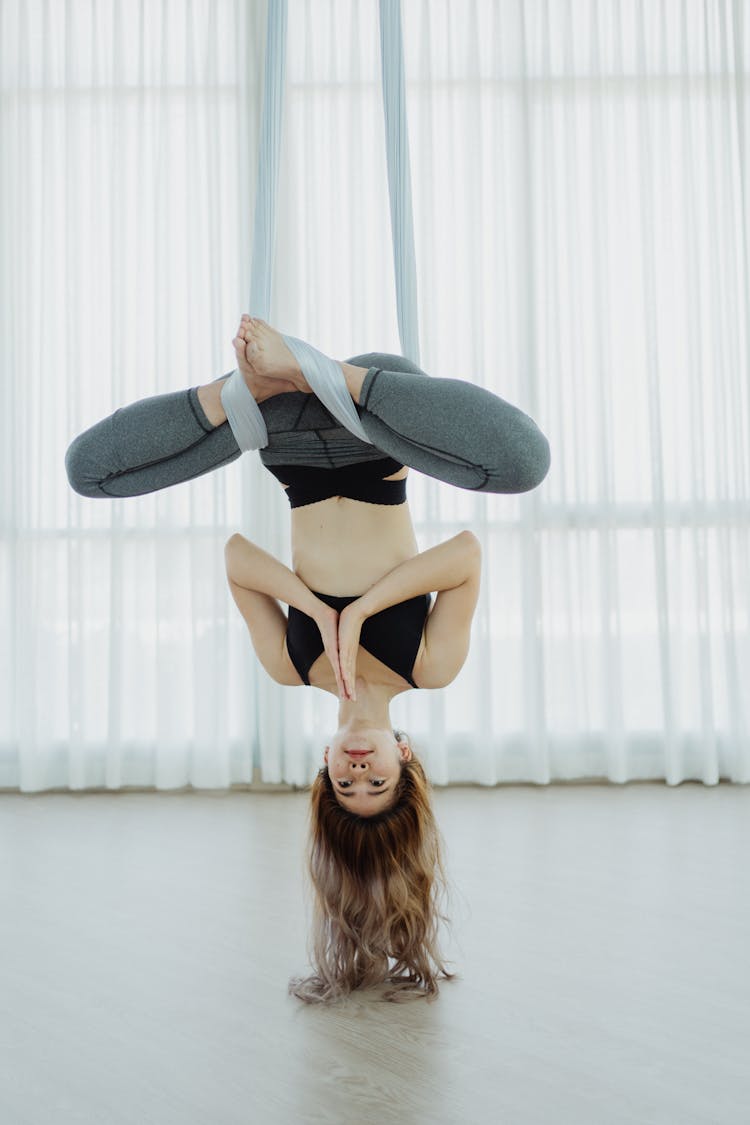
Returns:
(399, 175)
(326, 379)
(323, 374)
(242, 411)
(269, 157)
(243, 414)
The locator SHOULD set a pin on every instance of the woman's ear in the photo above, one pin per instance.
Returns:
(325, 754)
(404, 746)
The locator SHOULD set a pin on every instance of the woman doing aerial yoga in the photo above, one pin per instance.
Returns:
(361, 623)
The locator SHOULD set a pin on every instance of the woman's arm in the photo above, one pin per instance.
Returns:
(250, 566)
(256, 580)
(266, 623)
(443, 567)
(453, 569)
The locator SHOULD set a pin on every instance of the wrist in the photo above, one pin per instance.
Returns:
(319, 610)
(357, 610)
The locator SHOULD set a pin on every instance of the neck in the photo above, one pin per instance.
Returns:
(369, 709)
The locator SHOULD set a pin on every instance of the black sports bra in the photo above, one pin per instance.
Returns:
(393, 635)
(364, 481)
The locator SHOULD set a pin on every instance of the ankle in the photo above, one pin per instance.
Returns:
(209, 396)
(354, 378)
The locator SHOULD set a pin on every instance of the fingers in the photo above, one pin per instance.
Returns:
(329, 631)
(348, 643)
(343, 682)
(344, 679)
(348, 676)
(339, 679)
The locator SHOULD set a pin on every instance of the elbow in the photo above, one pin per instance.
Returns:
(238, 558)
(470, 542)
(230, 552)
(471, 550)
(232, 542)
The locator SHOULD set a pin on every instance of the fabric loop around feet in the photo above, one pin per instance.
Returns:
(327, 382)
(243, 414)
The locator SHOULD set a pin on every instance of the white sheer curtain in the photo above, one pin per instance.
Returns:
(580, 196)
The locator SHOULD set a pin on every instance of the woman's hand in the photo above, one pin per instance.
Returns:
(351, 620)
(327, 620)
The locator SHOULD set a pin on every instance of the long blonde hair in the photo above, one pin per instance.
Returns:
(377, 884)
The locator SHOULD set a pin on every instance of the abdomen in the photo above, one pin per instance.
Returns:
(342, 546)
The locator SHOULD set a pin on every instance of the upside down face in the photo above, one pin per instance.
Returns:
(364, 768)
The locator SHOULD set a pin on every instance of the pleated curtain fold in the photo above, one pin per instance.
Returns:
(579, 202)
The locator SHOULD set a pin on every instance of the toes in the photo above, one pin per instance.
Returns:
(249, 340)
(252, 336)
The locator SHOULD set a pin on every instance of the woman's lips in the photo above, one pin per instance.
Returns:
(358, 753)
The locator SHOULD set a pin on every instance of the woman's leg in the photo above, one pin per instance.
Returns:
(447, 428)
(450, 429)
(152, 444)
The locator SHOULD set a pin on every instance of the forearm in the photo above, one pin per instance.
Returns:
(442, 567)
(253, 568)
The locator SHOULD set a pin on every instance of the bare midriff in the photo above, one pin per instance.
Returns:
(343, 546)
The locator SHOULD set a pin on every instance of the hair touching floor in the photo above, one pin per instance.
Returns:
(377, 883)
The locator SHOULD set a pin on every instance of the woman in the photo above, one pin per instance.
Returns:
(360, 622)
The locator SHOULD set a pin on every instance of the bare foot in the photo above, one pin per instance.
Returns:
(267, 364)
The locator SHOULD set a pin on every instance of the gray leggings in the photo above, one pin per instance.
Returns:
(446, 428)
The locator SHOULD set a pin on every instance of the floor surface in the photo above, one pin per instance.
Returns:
(601, 933)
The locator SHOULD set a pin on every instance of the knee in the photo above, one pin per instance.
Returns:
(535, 465)
(79, 469)
(522, 464)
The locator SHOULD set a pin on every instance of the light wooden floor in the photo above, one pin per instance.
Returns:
(602, 934)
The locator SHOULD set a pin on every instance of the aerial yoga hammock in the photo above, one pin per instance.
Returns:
(361, 624)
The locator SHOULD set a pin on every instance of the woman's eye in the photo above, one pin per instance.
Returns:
(377, 784)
